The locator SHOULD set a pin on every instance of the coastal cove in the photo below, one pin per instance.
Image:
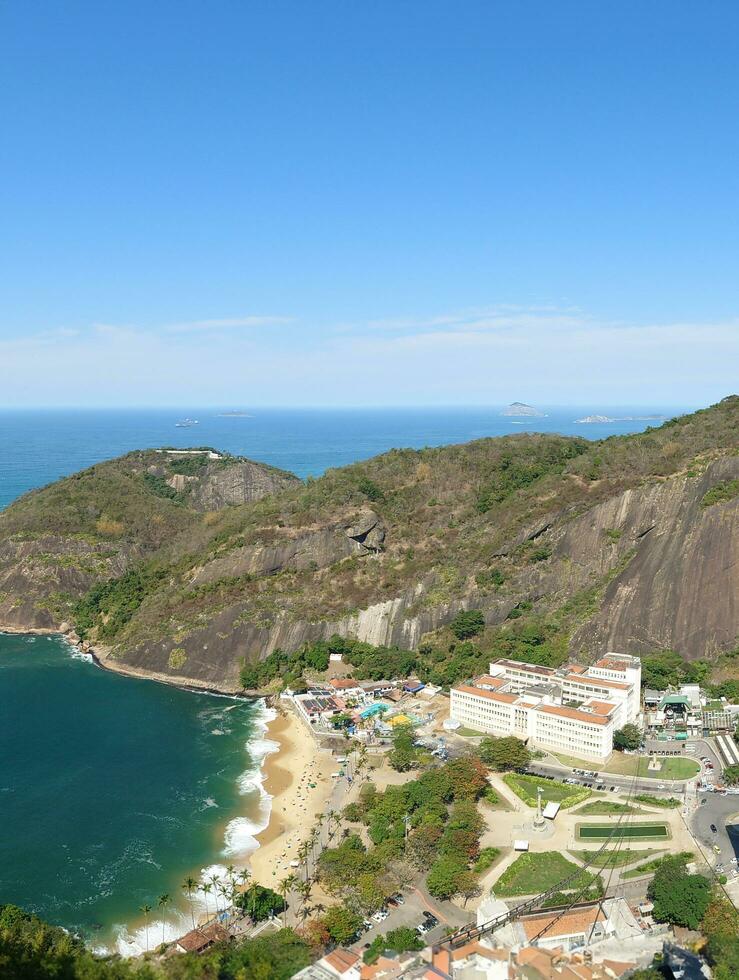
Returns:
(115, 789)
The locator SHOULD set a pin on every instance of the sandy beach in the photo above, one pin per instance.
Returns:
(295, 805)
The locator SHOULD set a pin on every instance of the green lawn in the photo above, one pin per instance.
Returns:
(673, 767)
(533, 873)
(651, 866)
(603, 807)
(494, 800)
(468, 732)
(614, 859)
(629, 831)
(552, 790)
(487, 858)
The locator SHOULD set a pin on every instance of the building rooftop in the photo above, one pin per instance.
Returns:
(528, 668)
(340, 959)
(500, 696)
(596, 681)
(199, 939)
(575, 713)
(600, 707)
(489, 681)
(569, 924)
(612, 663)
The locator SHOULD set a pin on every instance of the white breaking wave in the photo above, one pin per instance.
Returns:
(129, 943)
(240, 836)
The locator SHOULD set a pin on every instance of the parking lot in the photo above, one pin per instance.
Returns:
(414, 911)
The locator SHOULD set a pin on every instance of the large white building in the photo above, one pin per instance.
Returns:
(572, 709)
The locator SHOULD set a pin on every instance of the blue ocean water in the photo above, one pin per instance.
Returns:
(38, 447)
(114, 789)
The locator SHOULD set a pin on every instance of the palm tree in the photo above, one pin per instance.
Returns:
(163, 901)
(215, 881)
(226, 893)
(304, 890)
(303, 856)
(145, 909)
(312, 838)
(206, 888)
(285, 886)
(187, 886)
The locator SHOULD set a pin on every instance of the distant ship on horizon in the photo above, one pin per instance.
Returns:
(186, 423)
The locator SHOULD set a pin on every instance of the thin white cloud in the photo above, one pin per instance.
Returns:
(546, 356)
(228, 323)
(488, 318)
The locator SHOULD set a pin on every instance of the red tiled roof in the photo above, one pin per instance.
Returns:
(571, 923)
(341, 959)
(198, 939)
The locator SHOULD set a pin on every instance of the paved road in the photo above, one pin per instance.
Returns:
(667, 787)
(717, 811)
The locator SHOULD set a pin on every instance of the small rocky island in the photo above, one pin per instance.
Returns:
(519, 409)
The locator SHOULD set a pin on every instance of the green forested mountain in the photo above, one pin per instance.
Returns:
(628, 543)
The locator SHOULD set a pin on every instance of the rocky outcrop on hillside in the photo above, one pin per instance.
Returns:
(242, 482)
(289, 550)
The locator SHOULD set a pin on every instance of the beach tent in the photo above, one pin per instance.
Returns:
(400, 720)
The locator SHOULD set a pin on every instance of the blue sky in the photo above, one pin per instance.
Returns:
(392, 202)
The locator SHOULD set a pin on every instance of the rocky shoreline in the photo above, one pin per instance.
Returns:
(102, 658)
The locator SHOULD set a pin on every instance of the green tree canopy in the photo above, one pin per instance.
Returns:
(628, 737)
(503, 754)
(679, 898)
(342, 923)
(467, 624)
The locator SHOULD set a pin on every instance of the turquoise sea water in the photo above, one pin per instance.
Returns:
(113, 789)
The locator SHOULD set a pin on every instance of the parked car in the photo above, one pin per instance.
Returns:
(398, 898)
(714, 829)
(422, 928)
(431, 920)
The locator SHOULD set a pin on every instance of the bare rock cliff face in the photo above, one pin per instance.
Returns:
(240, 483)
(36, 576)
(681, 589)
